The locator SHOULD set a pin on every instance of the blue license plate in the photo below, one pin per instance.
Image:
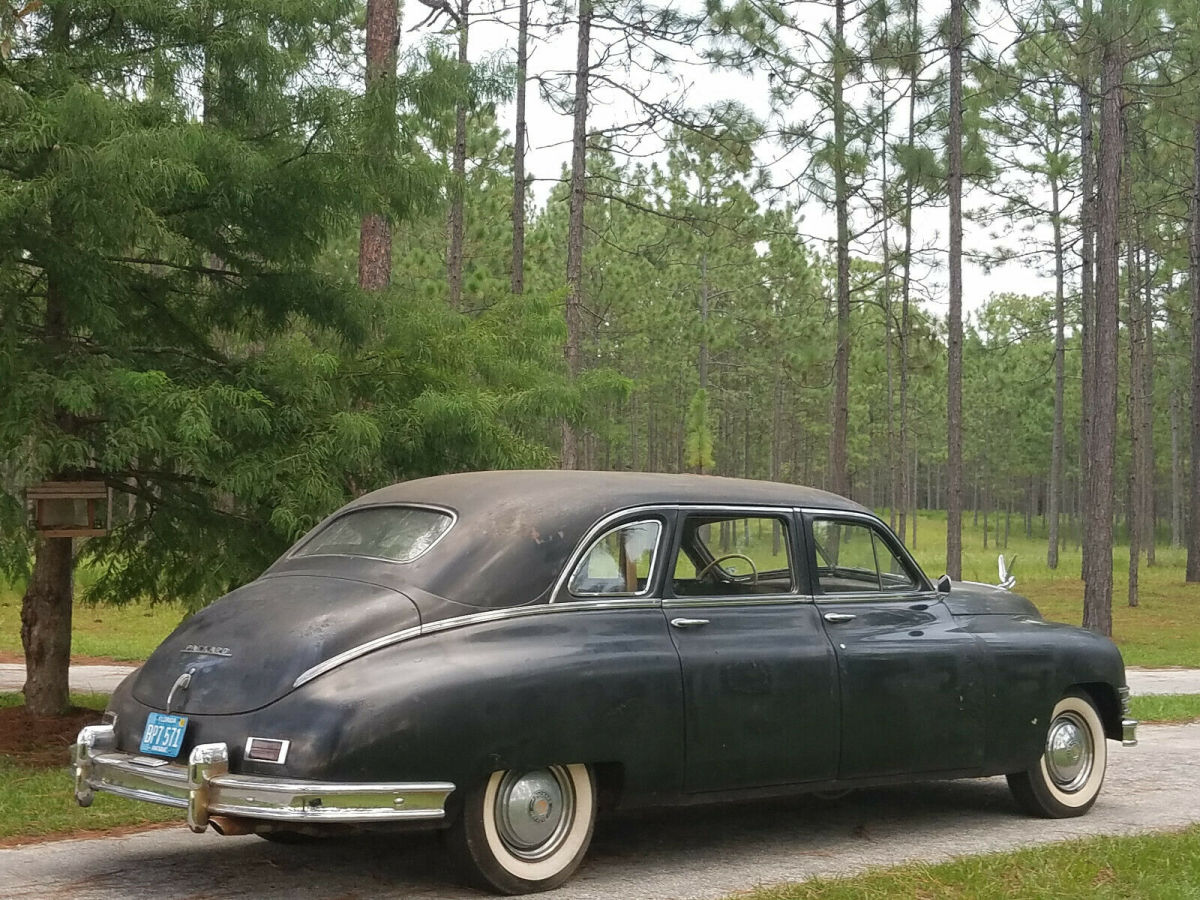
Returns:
(163, 735)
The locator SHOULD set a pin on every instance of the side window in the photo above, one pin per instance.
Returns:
(732, 555)
(619, 563)
(852, 558)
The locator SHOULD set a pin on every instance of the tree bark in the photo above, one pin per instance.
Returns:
(908, 495)
(570, 441)
(375, 235)
(457, 215)
(1149, 502)
(1087, 225)
(518, 208)
(46, 629)
(1176, 473)
(954, 368)
(1193, 552)
(1136, 399)
(840, 414)
(1057, 440)
(1098, 525)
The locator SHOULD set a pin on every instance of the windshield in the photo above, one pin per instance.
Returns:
(396, 533)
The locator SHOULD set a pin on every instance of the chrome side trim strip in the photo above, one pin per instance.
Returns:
(493, 615)
(355, 652)
(737, 601)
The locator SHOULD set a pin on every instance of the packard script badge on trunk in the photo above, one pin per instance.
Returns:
(207, 650)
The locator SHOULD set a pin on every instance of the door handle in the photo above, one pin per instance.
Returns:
(688, 623)
(839, 617)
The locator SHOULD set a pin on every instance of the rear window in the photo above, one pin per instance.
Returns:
(396, 533)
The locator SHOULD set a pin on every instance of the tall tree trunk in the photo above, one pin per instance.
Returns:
(1098, 527)
(457, 217)
(375, 235)
(570, 442)
(1136, 397)
(518, 207)
(1176, 472)
(906, 286)
(895, 460)
(838, 463)
(1193, 553)
(1087, 257)
(46, 628)
(1056, 442)
(1149, 502)
(954, 368)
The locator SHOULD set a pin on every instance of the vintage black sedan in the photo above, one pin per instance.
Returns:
(504, 653)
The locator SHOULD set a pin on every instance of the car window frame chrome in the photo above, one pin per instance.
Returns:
(922, 589)
(655, 559)
(795, 549)
(294, 552)
(664, 511)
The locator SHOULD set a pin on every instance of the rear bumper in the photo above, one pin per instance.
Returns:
(205, 787)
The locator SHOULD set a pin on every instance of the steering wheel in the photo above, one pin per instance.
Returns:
(721, 559)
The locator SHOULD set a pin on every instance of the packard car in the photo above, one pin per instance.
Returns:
(502, 654)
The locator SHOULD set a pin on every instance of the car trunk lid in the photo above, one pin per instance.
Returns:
(247, 649)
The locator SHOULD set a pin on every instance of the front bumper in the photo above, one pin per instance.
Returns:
(1128, 725)
(205, 787)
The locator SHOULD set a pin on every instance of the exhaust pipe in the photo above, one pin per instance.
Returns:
(230, 826)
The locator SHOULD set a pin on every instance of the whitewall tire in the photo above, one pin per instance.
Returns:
(522, 831)
(1068, 776)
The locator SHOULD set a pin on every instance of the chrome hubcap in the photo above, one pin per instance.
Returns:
(533, 811)
(1069, 752)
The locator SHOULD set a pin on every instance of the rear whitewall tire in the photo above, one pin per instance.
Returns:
(1067, 777)
(522, 831)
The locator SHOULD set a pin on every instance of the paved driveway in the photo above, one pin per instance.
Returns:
(679, 854)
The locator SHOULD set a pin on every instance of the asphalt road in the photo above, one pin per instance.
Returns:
(677, 854)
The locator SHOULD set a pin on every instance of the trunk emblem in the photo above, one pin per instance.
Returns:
(207, 650)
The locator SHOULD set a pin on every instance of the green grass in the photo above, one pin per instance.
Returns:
(129, 632)
(37, 801)
(1164, 630)
(1155, 867)
(1166, 707)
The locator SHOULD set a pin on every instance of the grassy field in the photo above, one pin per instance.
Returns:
(1154, 867)
(127, 633)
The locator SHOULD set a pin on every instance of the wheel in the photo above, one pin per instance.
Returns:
(522, 831)
(1066, 780)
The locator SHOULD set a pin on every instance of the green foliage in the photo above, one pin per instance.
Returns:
(171, 322)
(698, 446)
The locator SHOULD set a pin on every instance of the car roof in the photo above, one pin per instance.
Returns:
(516, 529)
(598, 492)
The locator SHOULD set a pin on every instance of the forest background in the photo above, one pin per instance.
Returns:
(261, 256)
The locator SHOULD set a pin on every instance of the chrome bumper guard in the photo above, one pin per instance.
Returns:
(1128, 725)
(205, 787)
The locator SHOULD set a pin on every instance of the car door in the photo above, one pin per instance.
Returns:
(759, 674)
(912, 682)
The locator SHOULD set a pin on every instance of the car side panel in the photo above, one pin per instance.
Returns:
(760, 693)
(1031, 664)
(912, 687)
(565, 686)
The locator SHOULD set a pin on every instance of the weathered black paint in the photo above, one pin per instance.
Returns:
(766, 697)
